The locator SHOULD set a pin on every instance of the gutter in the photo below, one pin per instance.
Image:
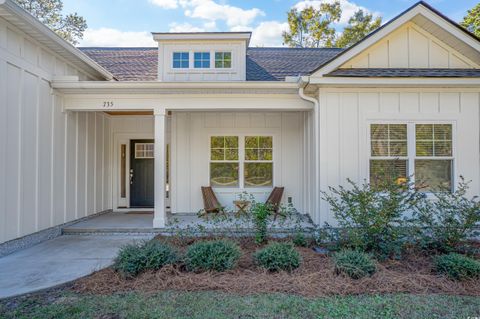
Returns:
(302, 82)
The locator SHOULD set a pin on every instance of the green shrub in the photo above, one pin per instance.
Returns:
(300, 240)
(218, 255)
(135, 258)
(458, 267)
(449, 220)
(260, 214)
(278, 256)
(372, 217)
(354, 263)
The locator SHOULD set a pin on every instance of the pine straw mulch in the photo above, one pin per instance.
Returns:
(314, 278)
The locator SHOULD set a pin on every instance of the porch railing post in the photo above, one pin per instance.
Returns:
(160, 217)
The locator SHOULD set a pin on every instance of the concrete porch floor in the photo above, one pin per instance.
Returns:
(142, 222)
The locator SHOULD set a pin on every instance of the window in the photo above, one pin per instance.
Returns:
(258, 169)
(389, 153)
(144, 150)
(223, 60)
(180, 60)
(201, 60)
(241, 161)
(423, 151)
(433, 161)
(224, 161)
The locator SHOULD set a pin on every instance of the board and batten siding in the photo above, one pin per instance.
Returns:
(345, 115)
(190, 158)
(54, 165)
(410, 46)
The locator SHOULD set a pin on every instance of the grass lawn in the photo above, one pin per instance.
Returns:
(170, 304)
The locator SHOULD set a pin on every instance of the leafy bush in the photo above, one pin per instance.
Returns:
(447, 220)
(458, 267)
(300, 240)
(218, 255)
(372, 218)
(354, 263)
(260, 214)
(135, 258)
(278, 256)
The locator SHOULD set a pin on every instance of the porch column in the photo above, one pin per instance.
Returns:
(160, 217)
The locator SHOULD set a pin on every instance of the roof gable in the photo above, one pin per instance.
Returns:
(420, 37)
(410, 46)
(11, 12)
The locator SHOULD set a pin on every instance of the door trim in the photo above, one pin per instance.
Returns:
(143, 201)
(119, 139)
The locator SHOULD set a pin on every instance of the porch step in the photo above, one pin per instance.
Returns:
(110, 231)
(234, 232)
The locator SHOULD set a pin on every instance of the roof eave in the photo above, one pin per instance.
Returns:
(388, 27)
(46, 35)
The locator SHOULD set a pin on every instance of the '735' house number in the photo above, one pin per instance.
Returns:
(107, 104)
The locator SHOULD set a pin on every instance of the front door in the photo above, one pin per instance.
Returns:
(141, 173)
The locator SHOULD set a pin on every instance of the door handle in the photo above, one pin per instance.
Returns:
(131, 176)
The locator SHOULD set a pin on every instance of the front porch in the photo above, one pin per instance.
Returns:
(137, 222)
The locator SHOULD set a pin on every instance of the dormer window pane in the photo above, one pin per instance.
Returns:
(201, 60)
(223, 60)
(180, 60)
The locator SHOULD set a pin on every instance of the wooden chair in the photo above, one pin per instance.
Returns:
(274, 201)
(210, 202)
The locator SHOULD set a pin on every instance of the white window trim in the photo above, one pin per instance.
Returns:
(189, 59)
(411, 148)
(222, 51)
(223, 161)
(144, 151)
(210, 59)
(241, 160)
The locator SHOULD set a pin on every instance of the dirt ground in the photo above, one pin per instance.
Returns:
(314, 278)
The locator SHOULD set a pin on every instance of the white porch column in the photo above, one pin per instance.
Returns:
(160, 216)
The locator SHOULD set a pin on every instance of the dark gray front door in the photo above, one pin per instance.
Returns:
(141, 173)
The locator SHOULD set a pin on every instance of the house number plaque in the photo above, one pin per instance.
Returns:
(108, 104)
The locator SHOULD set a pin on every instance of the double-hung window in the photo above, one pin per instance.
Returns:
(258, 166)
(423, 151)
(388, 153)
(223, 60)
(181, 60)
(241, 161)
(224, 161)
(433, 156)
(201, 60)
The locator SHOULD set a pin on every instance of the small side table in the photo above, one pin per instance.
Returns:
(242, 206)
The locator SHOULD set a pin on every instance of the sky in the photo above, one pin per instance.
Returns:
(115, 23)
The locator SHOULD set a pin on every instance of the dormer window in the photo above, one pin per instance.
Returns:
(180, 60)
(201, 60)
(223, 60)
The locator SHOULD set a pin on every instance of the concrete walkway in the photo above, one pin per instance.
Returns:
(57, 261)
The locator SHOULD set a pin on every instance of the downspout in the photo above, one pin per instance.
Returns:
(303, 81)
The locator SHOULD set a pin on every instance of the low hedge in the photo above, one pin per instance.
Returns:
(217, 255)
(278, 256)
(457, 267)
(135, 258)
(355, 264)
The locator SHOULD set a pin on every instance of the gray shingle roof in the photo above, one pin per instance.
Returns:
(402, 72)
(274, 64)
(127, 64)
(263, 64)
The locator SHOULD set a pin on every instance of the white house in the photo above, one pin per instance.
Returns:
(86, 130)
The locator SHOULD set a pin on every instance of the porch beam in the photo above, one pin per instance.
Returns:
(112, 102)
(160, 216)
